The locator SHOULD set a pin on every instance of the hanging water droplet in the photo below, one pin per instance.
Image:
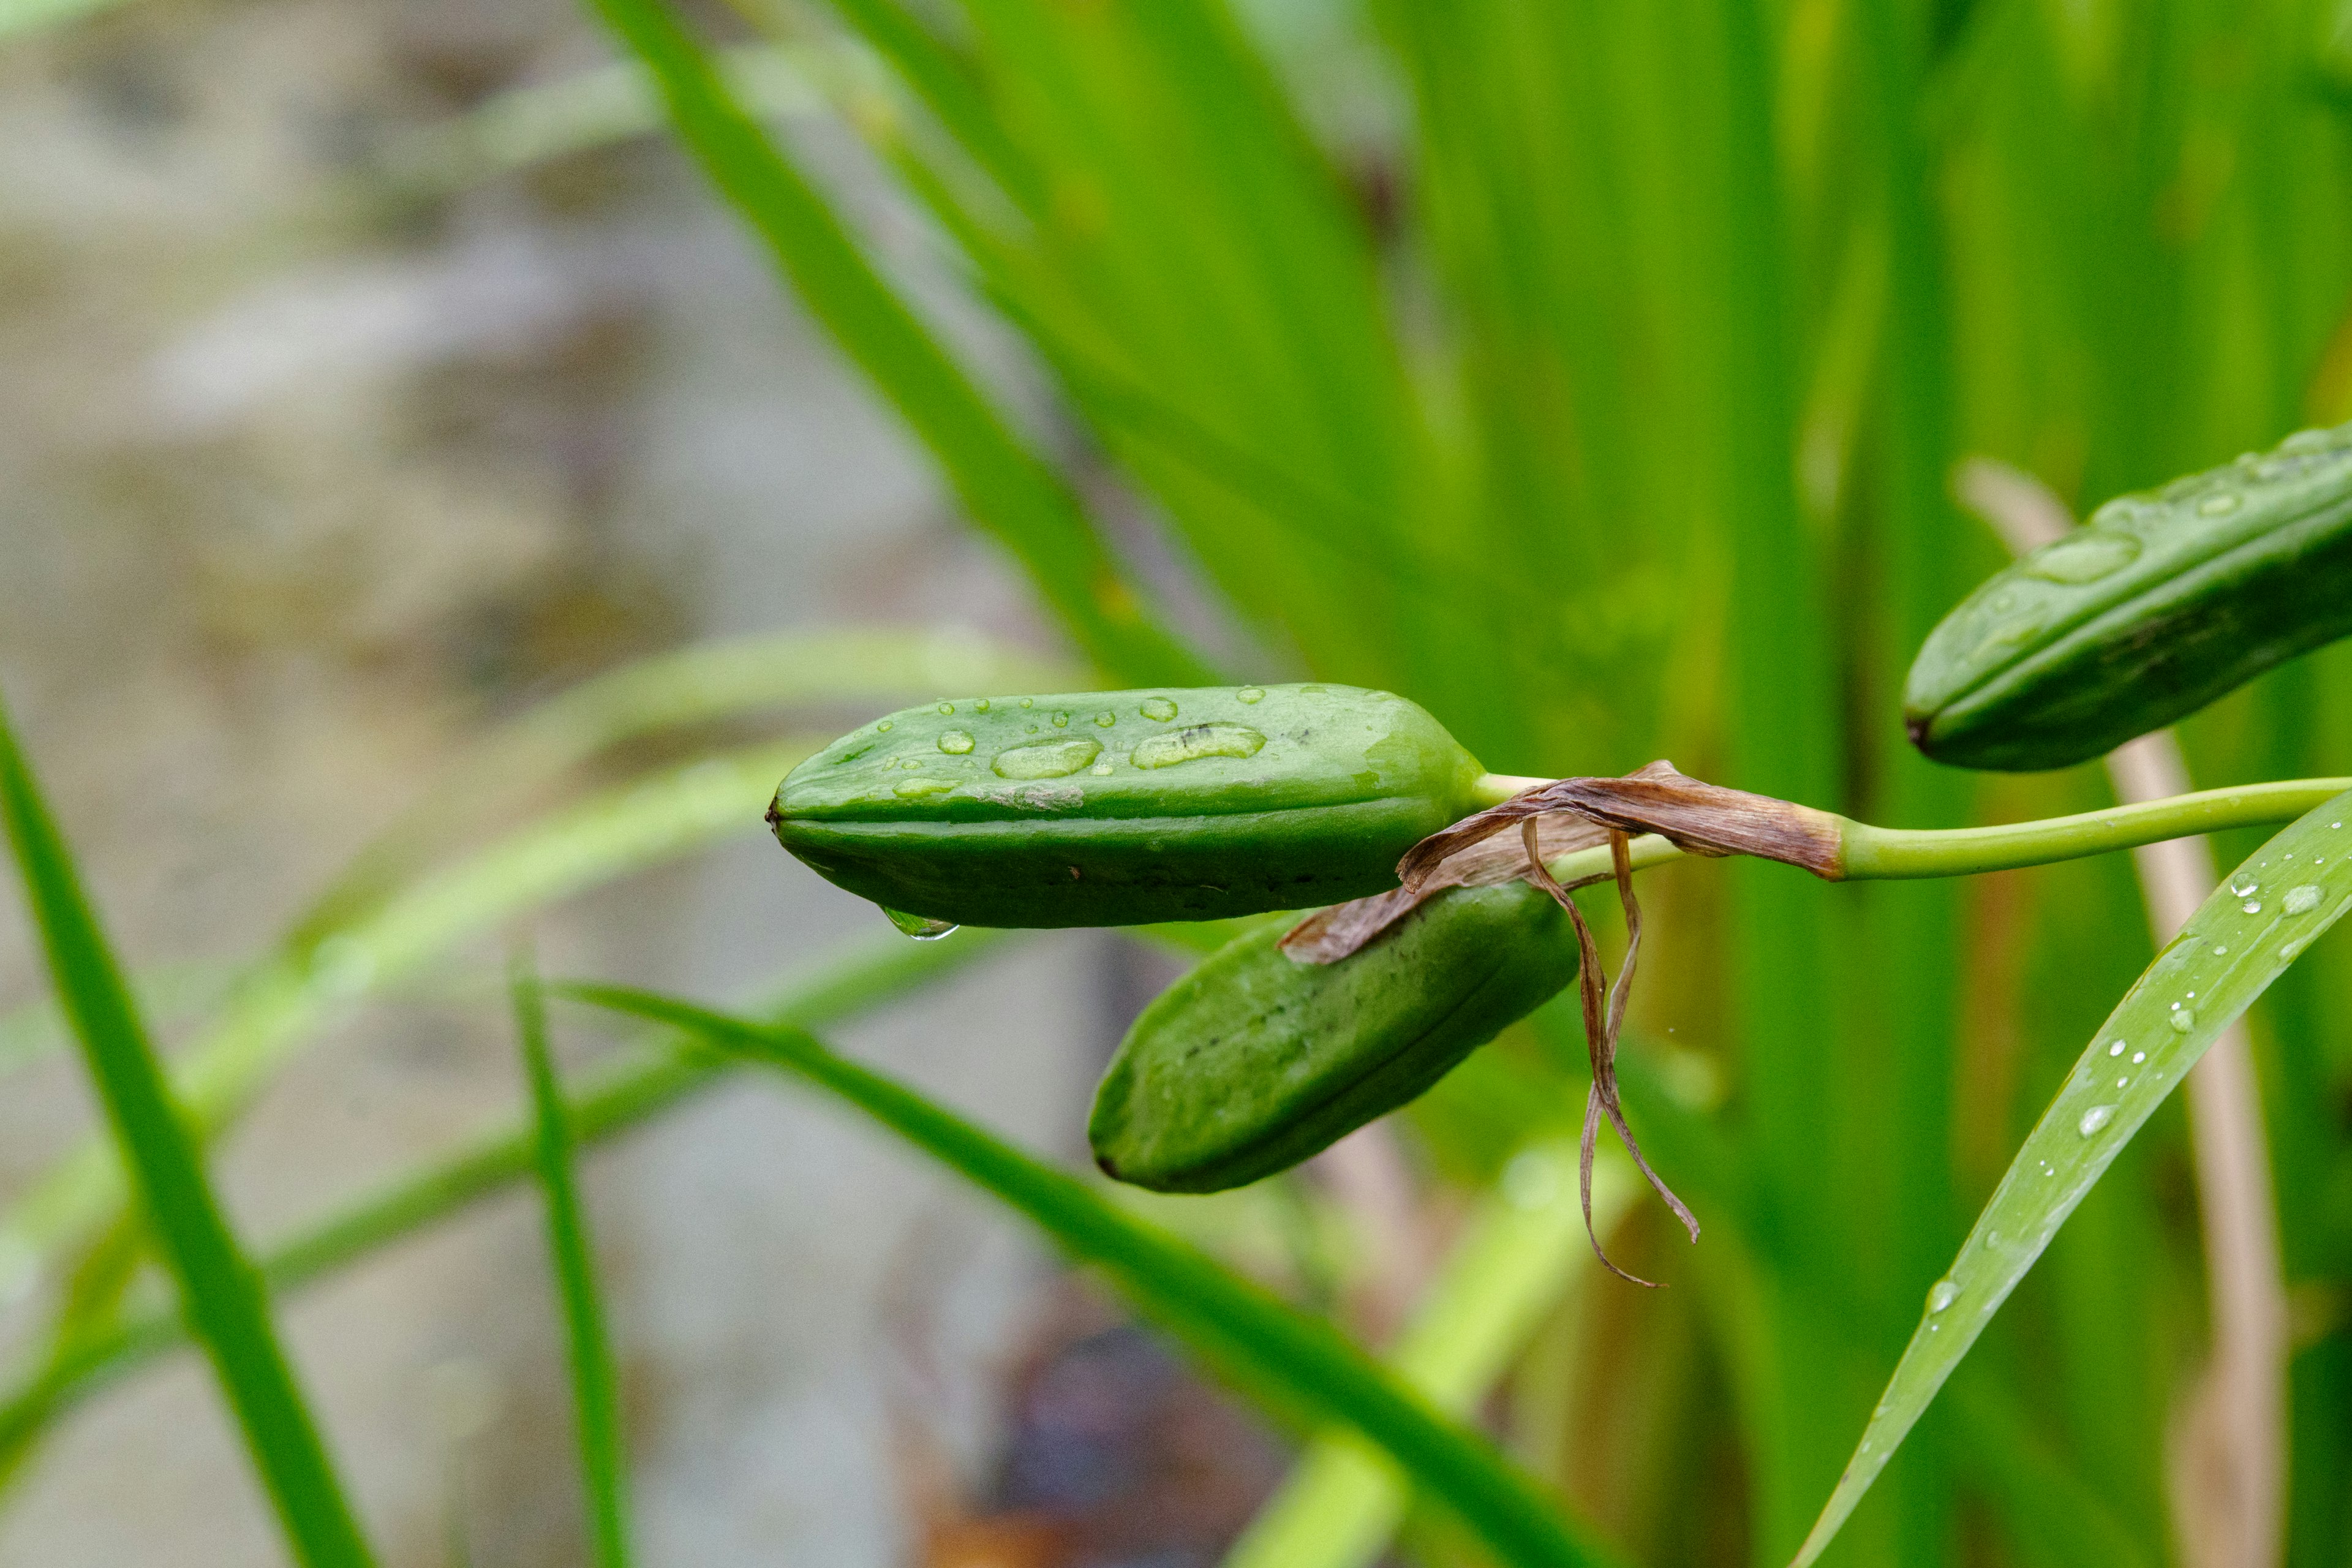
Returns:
(922, 928)
(1251, 694)
(1047, 760)
(2219, 504)
(1159, 707)
(2183, 1021)
(916, 789)
(1942, 1294)
(2084, 556)
(955, 742)
(2300, 900)
(2099, 1115)
(1195, 741)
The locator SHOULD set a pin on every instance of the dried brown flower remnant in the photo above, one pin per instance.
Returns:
(1554, 819)
(1604, 1015)
(1699, 817)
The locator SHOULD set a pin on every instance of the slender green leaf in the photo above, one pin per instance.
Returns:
(615, 1100)
(222, 1299)
(276, 1010)
(1004, 487)
(595, 1384)
(1278, 1354)
(2240, 941)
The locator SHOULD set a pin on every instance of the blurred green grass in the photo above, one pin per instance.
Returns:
(1596, 381)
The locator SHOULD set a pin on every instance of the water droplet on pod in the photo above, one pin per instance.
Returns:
(2219, 504)
(2300, 900)
(884, 725)
(2084, 556)
(947, 707)
(1195, 741)
(916, 789)
(2183, 1021)
(955, 742)
(1060, 720)
(1159, 707)
(1942, 1294)
(922, 928)
(1047, 760)
(2252, 908)
(980, 706)
(1251, 694)
(2099, 1115)
(1106, 719)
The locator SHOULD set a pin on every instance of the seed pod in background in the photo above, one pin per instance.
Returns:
(1122, 807)
(2158, 605)
(1252, 1062)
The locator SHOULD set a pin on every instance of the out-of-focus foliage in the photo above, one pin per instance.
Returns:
(1592, 374)
(1599, 388)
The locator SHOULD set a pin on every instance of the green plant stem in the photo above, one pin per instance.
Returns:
(224, 1301)
(622, 1097)
(1880, 854)
(1869, 854)
(1299, 1364)
(595, 1386)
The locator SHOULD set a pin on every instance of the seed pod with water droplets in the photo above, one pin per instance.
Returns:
(2157, 607)
(1123, 808)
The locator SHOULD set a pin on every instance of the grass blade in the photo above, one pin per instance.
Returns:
(595, 1386)
(1002, 484)
(613, 1101)
(1297, 1364)
(278, 1010)
(221, 1297)
(2242, 939)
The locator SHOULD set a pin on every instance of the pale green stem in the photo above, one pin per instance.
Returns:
(1868, 853)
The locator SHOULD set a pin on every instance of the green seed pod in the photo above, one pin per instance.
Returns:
(1120, 807)
(2160, 604)
(1252, 1062)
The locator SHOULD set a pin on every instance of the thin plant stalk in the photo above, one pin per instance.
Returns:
(595, 1385)
(219, 1291)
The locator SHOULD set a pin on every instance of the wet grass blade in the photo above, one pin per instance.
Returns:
(219, 1292)
(1003, 485)
(595, 1385)
(1298, 1365)
(2242, 939)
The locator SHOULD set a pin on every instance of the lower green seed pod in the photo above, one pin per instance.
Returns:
(1122, 807)
(1252, 1062)
(2158, 605)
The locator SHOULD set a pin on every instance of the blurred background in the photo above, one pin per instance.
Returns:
(429, 510)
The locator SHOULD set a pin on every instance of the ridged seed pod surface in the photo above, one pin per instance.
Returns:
(1122, 807)
(2157, 607)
